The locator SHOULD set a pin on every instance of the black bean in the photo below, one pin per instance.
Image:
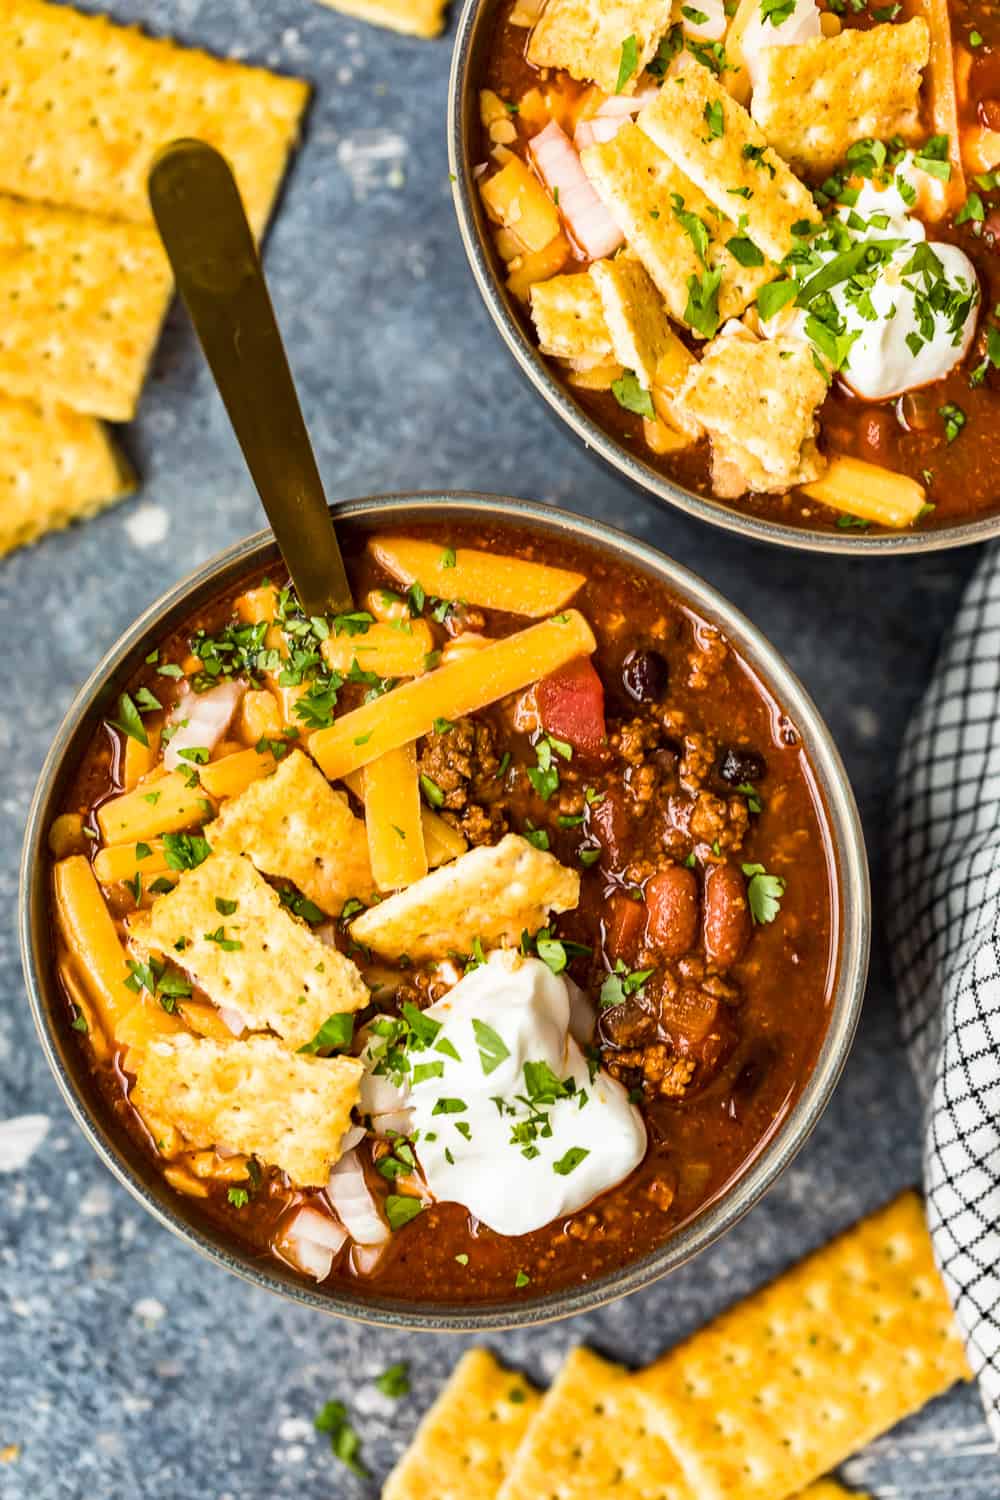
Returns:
(645, 676)
(737, 766)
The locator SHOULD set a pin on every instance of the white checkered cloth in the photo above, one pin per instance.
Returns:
(944, 928)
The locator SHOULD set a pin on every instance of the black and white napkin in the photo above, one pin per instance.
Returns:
(944, 927)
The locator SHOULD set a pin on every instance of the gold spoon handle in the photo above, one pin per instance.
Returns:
(203, 225)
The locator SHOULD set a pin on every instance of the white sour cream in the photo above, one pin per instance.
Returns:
(900, 341)
(508, 1013)
(800, 25)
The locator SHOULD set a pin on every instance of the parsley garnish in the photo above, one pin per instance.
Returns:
(344, 1441)
(129, 721)
(570, 1161)
(954, 420)
(629, 62)
(185, 851)
(399, 1210)
(336, 1033)
(619, 985)
(632, 396)
(764, 893)
(394, 1382)
(493, 1050)
(702, 311)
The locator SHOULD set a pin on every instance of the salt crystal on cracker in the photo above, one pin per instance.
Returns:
(55, 467)
(83, 299)
(569, 319)
(642, 188)
(465, 1445)
(491, 893)
(815, 100)
(736, 170)
(294, 825)
(278, 975)
(253, 1097)
(593, 1438)
(587, 38)
(786, 1385)
(87, 104)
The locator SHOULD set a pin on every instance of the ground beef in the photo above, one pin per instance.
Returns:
(480, 825)
(462, 762)
(697, 761)
(661, 1194)
(706, 661)
(719, 821)
(661, 1072)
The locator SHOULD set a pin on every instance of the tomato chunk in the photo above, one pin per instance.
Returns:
(571, 706)
(626, 923)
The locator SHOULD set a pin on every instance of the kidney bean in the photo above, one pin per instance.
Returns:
(727, 923)
(611, 824)
(672, 900)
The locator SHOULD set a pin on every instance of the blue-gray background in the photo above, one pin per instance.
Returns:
(128, 1366)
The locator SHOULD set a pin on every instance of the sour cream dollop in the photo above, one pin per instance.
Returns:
(508, 1117)
(794, 26)
(907, 322)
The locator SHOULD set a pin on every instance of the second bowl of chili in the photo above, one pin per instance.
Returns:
(832, 383)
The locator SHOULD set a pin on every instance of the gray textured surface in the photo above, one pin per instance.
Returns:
(127, 1365)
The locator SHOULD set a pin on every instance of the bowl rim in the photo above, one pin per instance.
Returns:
(643, 475)
(139, 1177)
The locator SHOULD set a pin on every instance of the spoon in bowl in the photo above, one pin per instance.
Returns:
(209, 243)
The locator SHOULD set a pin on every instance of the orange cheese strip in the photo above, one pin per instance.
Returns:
(95, 948)
(165, 805)
(409, 711)
(868, 491)
(140, 759)
(442, 843)
(392, 819)
(398, 650)
(485, 578)
(126, 861)
(232, 774)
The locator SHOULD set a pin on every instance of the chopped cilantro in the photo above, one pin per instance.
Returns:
(702, 310)
(521, 1279)
(129, 721)
(185, 851)
(954, 420)
(715, 119)
(744, 251)
(238, 1197)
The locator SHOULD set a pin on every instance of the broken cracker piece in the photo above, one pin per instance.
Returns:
(294, 825)
(55, 467)
(414, 17)
(814, 100)
(465, 1445)
(634, 314)
(593, 1438)
(813, 1367)
(643, 189)
(588, 38)
(83, 299)
(255, 960)
(87, 104)
(737, 171)
(569, 319)
(252, 1097)
(492, 894)
(758, 400)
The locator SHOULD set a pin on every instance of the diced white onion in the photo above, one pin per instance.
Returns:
(203, 719)
(352, 1138)
(353, 1202)
(379, 1095)
(581, 1013)
(582, 210)
(365, 1259)
(234, 1019)
(312, 1241)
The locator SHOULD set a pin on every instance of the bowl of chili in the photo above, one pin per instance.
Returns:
(849, 418)
(675, 804)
